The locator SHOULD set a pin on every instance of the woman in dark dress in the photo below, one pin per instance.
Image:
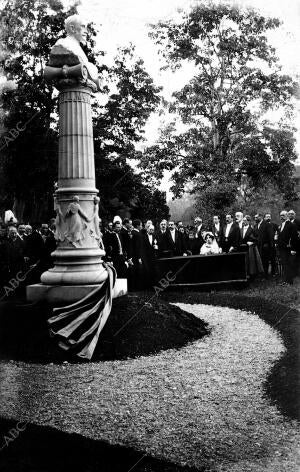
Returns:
(248, 244)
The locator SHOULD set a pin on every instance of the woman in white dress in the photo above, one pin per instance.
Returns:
(210, 245)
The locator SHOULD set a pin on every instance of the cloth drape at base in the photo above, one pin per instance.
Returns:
(77, 326)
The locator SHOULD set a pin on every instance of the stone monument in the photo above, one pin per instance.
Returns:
(78, 265)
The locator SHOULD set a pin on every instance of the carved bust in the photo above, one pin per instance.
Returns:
(67, 51)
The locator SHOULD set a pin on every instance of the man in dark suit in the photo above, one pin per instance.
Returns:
(136, 245)
(286, 243)
(163, 241)
(136, 240)
(217, 229)
(265, 240)
(296, 223)
(272, 230)
(49, 246)
(176, 241)
(35, 245)
(13, 256)
(114, 248)
(148, 255)
(127, 237)
(196, 236)
(231, 235)
(36, 252)
(248, 236)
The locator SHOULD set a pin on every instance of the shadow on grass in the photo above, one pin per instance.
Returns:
(45, 449)
(283, 383)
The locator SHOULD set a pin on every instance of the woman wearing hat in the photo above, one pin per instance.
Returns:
(210, 245)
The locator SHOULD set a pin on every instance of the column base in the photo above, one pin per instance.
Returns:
(76, 266)
(67, 294)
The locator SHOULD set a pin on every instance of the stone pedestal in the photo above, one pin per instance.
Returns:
(64, 295)
(76, 262)
(78, 257)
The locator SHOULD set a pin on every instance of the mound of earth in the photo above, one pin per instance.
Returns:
(138, 325)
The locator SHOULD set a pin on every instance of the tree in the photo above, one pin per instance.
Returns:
(29, 143)
(237, 79)
(266, 199)
(118, 127)
(29, 137)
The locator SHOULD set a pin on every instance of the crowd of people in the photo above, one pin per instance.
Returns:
(25, 249)
(272, 250)
(133, 247)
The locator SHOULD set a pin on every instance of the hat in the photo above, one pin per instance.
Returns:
(117, 218)
(208, 233)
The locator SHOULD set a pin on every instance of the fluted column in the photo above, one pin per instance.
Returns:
(77, 258)
(76, 167)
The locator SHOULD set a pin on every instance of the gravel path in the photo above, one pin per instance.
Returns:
(202, 405)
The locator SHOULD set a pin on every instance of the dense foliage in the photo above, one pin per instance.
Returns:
(222, 109)
(29, 136)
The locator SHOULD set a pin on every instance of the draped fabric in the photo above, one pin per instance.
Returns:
(77, 326)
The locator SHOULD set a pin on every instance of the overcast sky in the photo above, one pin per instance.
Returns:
(124, 21)
(121, 21)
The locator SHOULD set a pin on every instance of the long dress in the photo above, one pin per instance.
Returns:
(77, 326)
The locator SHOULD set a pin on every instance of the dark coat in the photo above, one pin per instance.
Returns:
(296, 224)
(196, 240)
(49, 247)
(287, 238)
(35, 247)
(164, 242)
(12, 252)
(265, 235)
(126, 237)
(136, 244)
(178, 246)
(148, 256)
(115, 253)
(186, 242)
(249, 236)
(233, 238)
(218, 234)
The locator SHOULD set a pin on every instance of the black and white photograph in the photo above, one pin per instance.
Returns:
(149, 236)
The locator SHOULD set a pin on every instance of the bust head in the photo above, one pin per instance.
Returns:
(76, 28)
